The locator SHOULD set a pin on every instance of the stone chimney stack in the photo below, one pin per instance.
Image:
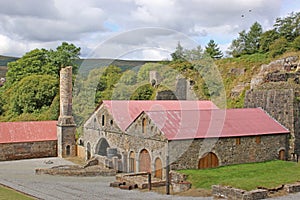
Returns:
(66, 127)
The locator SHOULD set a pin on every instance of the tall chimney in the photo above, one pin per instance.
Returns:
(66, 127)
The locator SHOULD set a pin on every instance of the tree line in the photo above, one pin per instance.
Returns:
(284, 36)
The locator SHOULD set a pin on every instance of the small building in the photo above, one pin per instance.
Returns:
(138, 136)
(23, 140)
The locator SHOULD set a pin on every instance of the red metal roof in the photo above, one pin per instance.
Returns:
(125, 112)
(189, 124)
(13, 132)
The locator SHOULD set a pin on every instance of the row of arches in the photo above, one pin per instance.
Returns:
(145, 163)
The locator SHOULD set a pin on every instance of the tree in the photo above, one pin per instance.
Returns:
(247, 42)
(237, 47)
(65, 55)
(34, 93)
(178, 55)
(144, 92)
(288, 27)
(213, 50)
(193, 54)
(42, 62)
(253, 39)
(266, 39)
(106, 83)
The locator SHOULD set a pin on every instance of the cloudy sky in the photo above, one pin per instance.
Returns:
(131, 29)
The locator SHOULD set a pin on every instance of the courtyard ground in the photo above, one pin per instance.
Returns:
(20, 175)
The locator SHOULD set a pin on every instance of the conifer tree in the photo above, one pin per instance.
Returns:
(213, 50)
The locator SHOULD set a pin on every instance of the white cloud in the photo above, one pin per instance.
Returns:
(34, 23)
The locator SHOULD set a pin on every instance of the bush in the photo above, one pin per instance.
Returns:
(144, 92)
(278, 47)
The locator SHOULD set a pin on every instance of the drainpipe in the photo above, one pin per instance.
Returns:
(167, 170)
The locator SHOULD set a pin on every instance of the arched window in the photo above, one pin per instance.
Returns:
(88, 151)
(144, 125)
(103, 120)
(158, 168)
(132, 166)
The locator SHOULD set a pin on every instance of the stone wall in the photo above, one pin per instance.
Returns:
(15, 151)
(189, 152)
(125, 143)
(234, 193)
(282, 105)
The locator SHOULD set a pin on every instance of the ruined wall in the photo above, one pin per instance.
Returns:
(26, 150)
(227, 150)
(282, 105)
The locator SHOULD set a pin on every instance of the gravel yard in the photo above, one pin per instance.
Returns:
(20, 175)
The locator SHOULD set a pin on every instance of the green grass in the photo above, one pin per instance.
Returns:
(9, 194)
(246, 176)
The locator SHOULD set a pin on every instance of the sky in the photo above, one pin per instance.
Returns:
(131, 29)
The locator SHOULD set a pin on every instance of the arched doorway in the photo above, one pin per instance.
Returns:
(281, 154)
(132, 166)
(158, 168)
(102, 146)
(145, 161)
(209, 160)
(68, 150)
(88, 151)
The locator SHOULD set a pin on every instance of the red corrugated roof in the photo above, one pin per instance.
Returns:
(13, 132)
(189, 124)
(125, 112)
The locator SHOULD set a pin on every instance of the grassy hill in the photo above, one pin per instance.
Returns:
(85, 65)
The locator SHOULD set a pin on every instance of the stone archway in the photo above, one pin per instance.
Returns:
(158, 168)
(145, 161)
(101, 148)
(209, 160)
(88, 151)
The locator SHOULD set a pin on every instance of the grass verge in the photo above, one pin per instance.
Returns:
(10, 194)
(246, 176)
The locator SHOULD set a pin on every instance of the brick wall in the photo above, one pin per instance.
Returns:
(15, 151)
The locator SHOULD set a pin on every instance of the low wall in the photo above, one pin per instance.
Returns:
(234, 193)
(26, 150)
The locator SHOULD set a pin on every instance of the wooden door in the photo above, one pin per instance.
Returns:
(158, 168)
(210, 160)
(145, 161)
(282, 155)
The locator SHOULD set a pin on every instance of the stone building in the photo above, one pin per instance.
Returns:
(138, 136)
(23, 140)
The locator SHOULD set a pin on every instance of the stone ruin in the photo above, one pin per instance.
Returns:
(276, 89)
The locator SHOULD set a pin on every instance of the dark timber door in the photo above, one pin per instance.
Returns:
(145, 161)
(210, 160)
(281, 155)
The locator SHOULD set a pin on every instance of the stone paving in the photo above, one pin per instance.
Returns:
(21, 176)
